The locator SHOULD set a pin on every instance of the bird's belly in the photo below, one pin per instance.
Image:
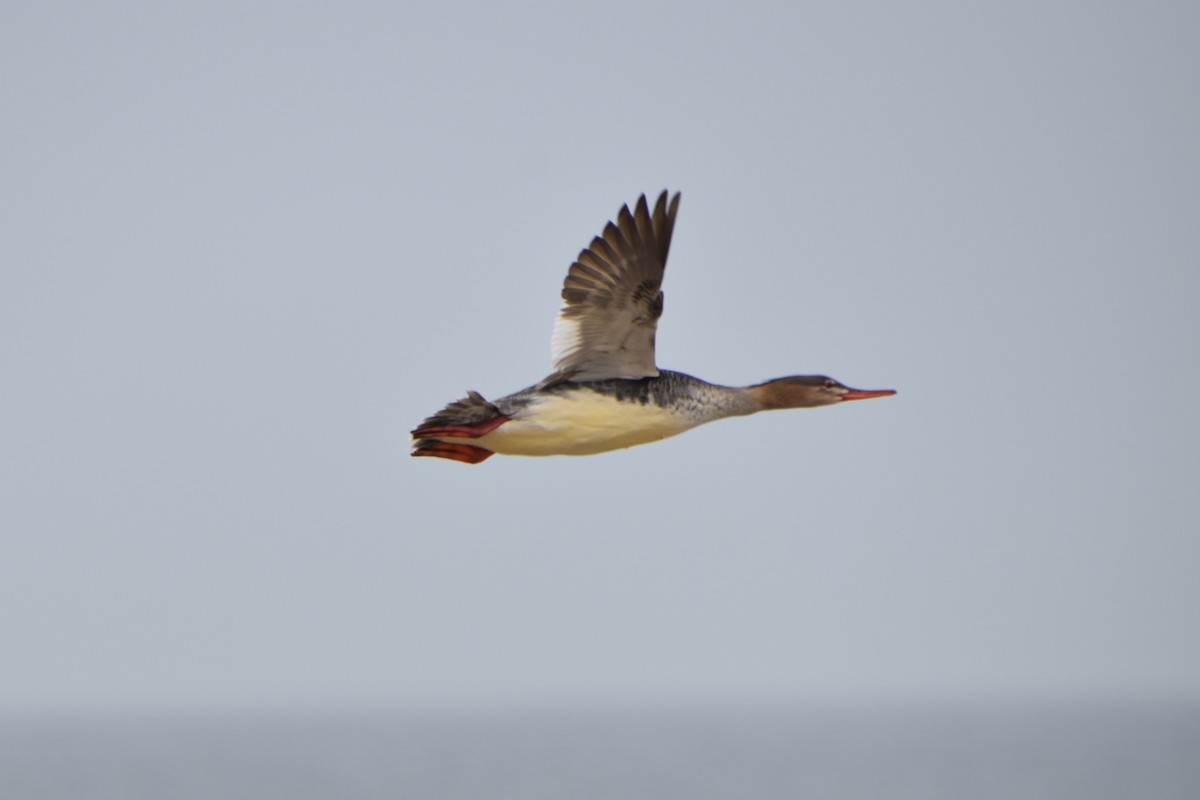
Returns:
(581, 423)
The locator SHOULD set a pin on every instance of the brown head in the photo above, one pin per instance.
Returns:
(808, 391)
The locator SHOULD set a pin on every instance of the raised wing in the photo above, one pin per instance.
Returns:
(613, 299)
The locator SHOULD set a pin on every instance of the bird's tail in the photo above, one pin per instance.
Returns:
(468, 418)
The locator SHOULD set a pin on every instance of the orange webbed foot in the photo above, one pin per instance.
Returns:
(461, 431)
(466, 453)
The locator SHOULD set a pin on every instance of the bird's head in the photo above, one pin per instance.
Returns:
(808, 391)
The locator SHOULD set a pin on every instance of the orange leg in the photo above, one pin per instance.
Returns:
(461, 431)
(466, 453)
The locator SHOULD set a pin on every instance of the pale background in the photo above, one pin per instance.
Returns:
(245, 247)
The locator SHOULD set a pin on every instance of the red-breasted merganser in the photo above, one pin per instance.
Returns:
(605, 392)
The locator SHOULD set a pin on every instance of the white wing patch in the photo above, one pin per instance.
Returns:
(566, 339)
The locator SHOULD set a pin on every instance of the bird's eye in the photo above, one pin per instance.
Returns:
(830, 383)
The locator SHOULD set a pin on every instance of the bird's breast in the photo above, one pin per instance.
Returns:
(583, 422)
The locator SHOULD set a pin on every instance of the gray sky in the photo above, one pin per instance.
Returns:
(244, 248)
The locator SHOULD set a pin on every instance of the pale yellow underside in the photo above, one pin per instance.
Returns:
(579, 424)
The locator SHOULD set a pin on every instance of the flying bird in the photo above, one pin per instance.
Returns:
(605, 391)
